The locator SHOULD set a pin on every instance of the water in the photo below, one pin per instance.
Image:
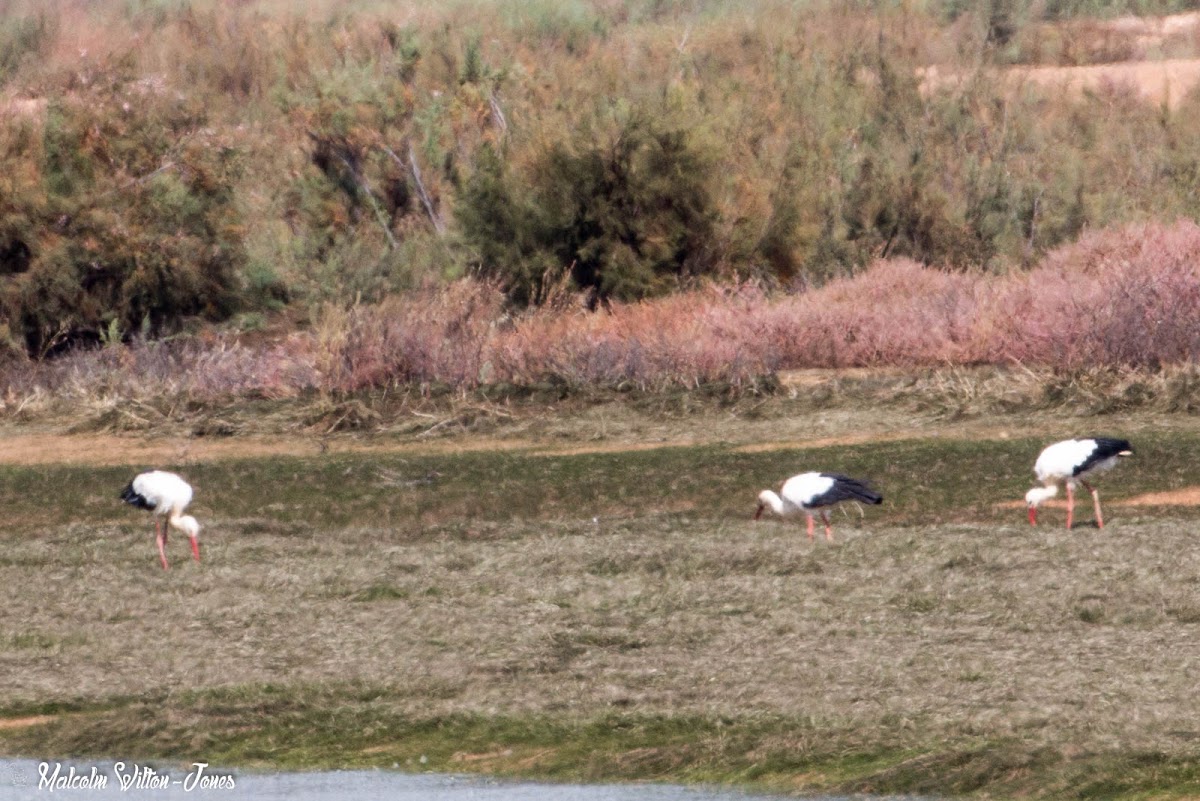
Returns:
(30, 780)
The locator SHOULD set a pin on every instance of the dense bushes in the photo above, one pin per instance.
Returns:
(160, 161)
(1126, 298)
(118, 215)
(627, 214)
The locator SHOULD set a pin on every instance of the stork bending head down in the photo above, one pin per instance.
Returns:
(1072, 462)
(804, 493)
(166, 495)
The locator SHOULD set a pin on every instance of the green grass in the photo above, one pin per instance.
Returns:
(306, 728)
(419, 496)
(604, 616)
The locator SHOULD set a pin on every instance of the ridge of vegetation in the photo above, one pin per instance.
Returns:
(165, 163)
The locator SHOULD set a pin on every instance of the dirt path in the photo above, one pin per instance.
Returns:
(19, 448)
(108, 449)
(26, 448)
(25, 722)
(558, 437)
(1184, 496)
(1168, 81)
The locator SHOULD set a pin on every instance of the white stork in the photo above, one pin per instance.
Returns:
(809, 491)
(166, 495)
(1070, 462)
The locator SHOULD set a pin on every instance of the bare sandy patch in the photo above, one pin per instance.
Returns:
(108, 450)
(1149, 32)
(830, 442)
(112, 449)
(101, 449)
(1185, 496)
(817, 376)
(611, 447)
(1167, 81)
(32, 108)
(25, 722)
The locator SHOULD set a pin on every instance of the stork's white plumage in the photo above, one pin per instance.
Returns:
(1071, 462)
(166, 495)
(806, 492)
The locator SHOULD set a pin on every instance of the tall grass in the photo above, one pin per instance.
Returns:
(1122, 298)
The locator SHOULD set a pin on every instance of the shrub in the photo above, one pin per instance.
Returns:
(432, 335)
(129, 219)
(1128, 297)
(352, 151)
(501, 226)
(629, 212)
(1124, 298)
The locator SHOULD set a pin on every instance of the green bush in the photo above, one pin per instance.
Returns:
(128, 224)
(629, 213)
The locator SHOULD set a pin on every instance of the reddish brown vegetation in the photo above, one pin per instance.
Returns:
(1117, 298)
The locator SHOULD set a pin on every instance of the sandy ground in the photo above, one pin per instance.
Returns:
(1168, 81)
(111, 449)
(1184, 496)
(25, 722)
(1164, 80)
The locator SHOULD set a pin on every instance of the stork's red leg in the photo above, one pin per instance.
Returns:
(828, 529)
(810, 527)
(1070, 505)
(160, 531)
(1096, 500)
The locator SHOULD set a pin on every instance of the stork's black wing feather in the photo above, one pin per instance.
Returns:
(1106, 448)
(133, 498)
(846, 489)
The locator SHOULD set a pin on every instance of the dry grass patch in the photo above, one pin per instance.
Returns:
(890, 639)
(551, 606)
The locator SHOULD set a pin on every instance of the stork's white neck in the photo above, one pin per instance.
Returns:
(185, 523)
(1039, 494)
(772, 501)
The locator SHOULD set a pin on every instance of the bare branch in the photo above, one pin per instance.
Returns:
(365, 187)
(497, 112)
(415, 171)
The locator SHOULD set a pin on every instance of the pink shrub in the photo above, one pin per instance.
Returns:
(1127, 297)
(428, 336)
(684, 340)
(214, 369)
(1118, 297)
(895, 313)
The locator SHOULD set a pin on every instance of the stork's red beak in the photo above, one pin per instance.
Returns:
(1033, 515)
(196, 549)
(758, 512)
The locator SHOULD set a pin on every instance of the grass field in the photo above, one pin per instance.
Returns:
(591, 601)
